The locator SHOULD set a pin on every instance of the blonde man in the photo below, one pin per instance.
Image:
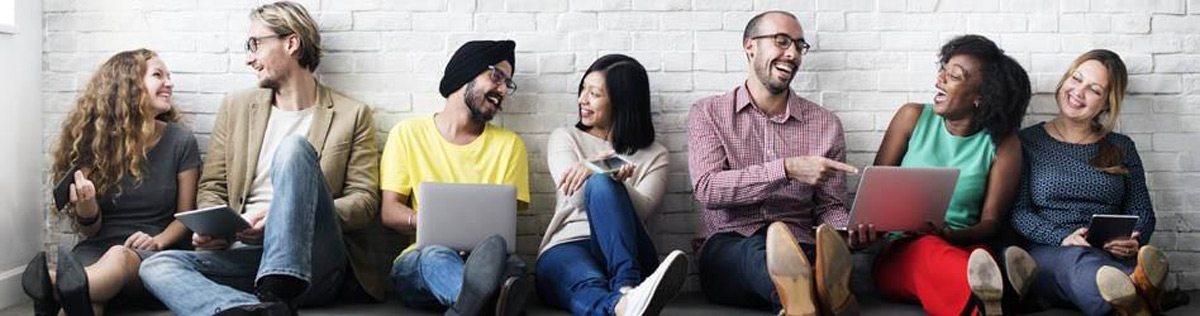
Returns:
(300, 163)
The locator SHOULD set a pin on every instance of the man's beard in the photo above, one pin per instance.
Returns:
(269, 83)
(475, 100)
(775, 87)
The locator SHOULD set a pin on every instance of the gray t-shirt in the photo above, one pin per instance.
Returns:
(149, 205)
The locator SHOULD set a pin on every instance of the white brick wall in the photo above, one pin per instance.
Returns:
(868, 58)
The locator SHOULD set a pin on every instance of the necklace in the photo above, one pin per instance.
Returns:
(1054, 125)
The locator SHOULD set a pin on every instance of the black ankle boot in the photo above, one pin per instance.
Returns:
(514, 294)
(73, 285)
(281, 289)
(36, 283)
(259, 309)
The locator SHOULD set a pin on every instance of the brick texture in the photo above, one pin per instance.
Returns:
(868, 57)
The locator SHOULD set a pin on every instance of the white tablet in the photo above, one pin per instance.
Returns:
(217, 221)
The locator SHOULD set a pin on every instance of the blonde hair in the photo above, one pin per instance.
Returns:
(1109, 158)
(287, 18)
(110, 128)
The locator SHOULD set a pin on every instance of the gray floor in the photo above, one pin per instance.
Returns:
(691, 304)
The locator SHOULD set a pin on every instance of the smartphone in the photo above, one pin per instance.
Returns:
(608, 165)
(62, 190)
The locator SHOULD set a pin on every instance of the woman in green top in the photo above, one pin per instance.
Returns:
(971, 125)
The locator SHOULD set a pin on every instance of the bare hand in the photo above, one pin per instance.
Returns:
(938, 229)
(83, 196)
(142, 241)
(1125, 247)
(206, 242)
(625, 172)
(1077, 238)
(863, 236)
(254, 234)
(574, 178)
(814, 170)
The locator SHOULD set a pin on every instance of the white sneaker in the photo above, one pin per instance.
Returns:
(659, 288)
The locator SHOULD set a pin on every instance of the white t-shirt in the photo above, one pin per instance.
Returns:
(280, 125)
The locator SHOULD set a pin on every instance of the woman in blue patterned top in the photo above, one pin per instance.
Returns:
(1076, 166)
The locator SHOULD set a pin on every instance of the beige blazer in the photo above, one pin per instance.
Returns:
(343, 134)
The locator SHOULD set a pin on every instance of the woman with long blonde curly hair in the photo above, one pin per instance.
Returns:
(133, 166)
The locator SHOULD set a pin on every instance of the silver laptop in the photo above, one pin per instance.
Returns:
(903, 198)
(461, 215)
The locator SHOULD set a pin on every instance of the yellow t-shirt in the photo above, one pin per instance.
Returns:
(416, 152)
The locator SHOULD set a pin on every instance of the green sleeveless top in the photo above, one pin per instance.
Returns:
(931, 145)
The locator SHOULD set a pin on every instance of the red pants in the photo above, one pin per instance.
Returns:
(927, 269)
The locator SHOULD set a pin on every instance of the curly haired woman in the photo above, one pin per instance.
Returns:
(133, 167)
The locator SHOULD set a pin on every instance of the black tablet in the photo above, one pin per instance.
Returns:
(1105, 227)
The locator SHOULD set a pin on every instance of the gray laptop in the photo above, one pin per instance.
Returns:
(903, 198)
(461, 215)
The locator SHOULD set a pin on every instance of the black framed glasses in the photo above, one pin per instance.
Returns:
(252, 42)
(784, 41)
(499, 77)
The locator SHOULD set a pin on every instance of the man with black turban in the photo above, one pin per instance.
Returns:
(458, 145)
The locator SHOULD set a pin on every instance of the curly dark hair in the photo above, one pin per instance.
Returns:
(1005, 90)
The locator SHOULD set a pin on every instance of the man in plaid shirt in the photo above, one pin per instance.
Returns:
(767, 165)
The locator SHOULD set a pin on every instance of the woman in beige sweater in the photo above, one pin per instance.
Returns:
(596, 258)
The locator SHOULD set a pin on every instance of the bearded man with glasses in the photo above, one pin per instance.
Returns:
(768, 166)
(459, 145)
(299, 162)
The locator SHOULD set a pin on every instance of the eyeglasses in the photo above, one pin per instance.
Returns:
(499, 77)
(252, 42)
(784, 41)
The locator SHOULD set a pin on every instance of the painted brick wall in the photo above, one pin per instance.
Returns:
(868, 57)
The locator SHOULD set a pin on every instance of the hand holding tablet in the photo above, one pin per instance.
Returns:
(217, 221)
(1105, 228)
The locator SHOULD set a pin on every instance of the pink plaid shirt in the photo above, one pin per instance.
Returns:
(736, 157)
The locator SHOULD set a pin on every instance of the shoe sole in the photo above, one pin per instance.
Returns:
(1118, 290)
(790, 271)
(1150, 274)
(676, 265)
(73, 285)
(834, 266)
(1021, 269)
(35, 281)
(486, 282)
(983, 275)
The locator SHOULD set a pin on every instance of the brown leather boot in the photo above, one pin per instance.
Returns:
(1150, 275)
(1118, 290)
(790, 271)
(834, 265)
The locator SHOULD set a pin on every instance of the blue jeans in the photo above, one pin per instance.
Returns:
(1067, 276)
(733, 270)
(430, 277)
(585, 276)
(302, 239)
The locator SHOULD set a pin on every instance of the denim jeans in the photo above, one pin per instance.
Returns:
(585, 276)
(733, 270)
(302, 239)
(1067, 276)
(430, 277)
